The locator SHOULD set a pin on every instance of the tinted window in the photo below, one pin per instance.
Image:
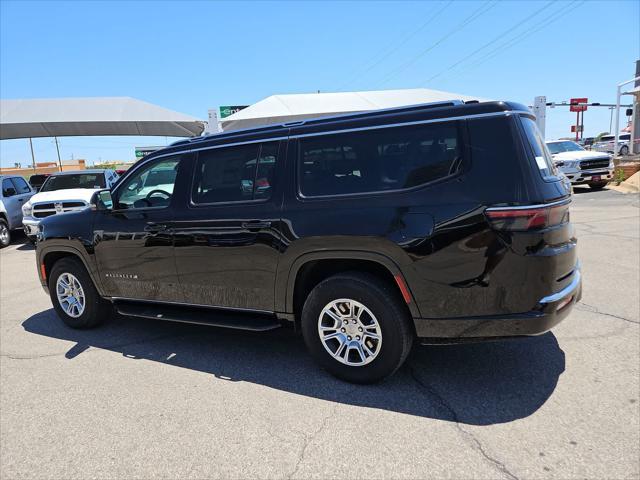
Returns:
(152, 186)
(233, 174)
(21, 185)
(378, 160)
(75, 180)
(626, 136)
(8, 189)
(542, 156)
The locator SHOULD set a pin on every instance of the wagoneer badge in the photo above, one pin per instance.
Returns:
(128, 276)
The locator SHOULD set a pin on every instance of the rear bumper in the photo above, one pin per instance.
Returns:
(550, 311)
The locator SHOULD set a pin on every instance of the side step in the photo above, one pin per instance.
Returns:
(214, 317)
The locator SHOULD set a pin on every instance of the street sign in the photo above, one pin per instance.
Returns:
(578, 108)
(579, 129)
(228, 110)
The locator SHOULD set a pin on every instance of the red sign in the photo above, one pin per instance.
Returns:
(578, 108)
(579, 128)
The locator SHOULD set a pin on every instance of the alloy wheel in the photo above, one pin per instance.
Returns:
(350, 332)
(70, 295)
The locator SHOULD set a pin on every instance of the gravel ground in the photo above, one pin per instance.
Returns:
(144, 399)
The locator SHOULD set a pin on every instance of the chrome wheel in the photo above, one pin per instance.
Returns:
(4, 234)
(70, 295)
(350, 332)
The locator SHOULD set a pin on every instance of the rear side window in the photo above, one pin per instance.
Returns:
(21, 185)
(542, 156)
(235, 174)
(8, 189)
(378, 160)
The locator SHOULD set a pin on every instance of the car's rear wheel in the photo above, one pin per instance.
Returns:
(74, 296)
(5, 233)
(624, 150)
(357, 327)
(597, 185)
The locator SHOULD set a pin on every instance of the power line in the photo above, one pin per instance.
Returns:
(527, 33)
(397, 47)
(484, 8)
(502, 35)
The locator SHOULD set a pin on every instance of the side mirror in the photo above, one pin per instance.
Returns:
(102, 200)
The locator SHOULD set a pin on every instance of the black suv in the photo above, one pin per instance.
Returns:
(442, 222)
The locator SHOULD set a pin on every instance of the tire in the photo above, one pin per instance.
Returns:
(369, 295)
(624, 151)
(95, 309)
(598, 185)
(5, 233)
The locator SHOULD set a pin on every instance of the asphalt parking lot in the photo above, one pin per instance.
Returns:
(144, 399)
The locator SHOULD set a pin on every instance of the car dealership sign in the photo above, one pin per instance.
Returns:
(228, 110)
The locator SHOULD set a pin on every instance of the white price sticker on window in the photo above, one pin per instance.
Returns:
(542, 164)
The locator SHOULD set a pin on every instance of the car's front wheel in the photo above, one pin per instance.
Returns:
(356, 327)
(5, 233)
(74, 297)
(624, 150)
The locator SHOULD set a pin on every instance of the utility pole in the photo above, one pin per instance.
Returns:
(33, 157)
(58, 150)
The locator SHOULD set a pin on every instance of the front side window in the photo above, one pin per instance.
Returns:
(74, 180)
(235, 174)
(8, 190)
(150, 187)
(21, 185)
(378, 160)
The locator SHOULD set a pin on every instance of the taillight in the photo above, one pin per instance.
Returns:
(528, 218)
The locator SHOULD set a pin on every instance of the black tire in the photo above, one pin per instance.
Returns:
(386, 305)
(598, 185)
(624, 150)
(96, 309)
(5, 233)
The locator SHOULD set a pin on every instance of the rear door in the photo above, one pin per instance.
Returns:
(228, 238)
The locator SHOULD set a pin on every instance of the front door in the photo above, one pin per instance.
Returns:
(227, 241)
(134, 241)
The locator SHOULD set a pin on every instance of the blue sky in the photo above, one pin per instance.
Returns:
(191, 56)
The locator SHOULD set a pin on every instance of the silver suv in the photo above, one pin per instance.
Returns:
(607, 144)
(15, 193)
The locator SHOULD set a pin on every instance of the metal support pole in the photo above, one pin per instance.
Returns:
(33, 157)
(577, 125)
(615, 132)
(58, 149)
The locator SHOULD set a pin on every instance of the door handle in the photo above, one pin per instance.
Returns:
(155, 227)
(256, 225)
(21, 199)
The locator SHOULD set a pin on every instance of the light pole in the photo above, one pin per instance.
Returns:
(33, 157)
(58, 150)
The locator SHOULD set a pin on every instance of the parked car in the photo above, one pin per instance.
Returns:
(37, 180)
(580, 166)
(436, 223)
(607, 144)
(64, 192)
(15, 192)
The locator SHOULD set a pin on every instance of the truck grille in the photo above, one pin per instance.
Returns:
(42, 210)
(598, 163)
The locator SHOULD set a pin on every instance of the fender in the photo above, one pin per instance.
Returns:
(68, 246)
(285, 279)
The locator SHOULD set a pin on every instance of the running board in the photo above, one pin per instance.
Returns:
(256, 322)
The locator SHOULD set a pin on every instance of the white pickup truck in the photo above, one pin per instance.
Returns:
(580, 166)
(64, 192)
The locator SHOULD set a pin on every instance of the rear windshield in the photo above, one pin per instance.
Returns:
(80, 180)
(559, 147)
(538, 148)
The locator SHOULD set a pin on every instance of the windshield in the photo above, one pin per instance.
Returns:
(559, 147)
(80, 180)
(606, 138)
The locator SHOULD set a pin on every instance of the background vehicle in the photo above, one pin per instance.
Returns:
(443, 222)
(581, 166)
(15, 192)
(64, 192)
(607, 144)
(37, 180)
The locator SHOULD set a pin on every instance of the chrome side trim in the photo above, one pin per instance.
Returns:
(568, 290)
(526, 207)
(213, 307)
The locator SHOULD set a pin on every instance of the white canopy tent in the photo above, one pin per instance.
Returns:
(288, 108)
(59, 117)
